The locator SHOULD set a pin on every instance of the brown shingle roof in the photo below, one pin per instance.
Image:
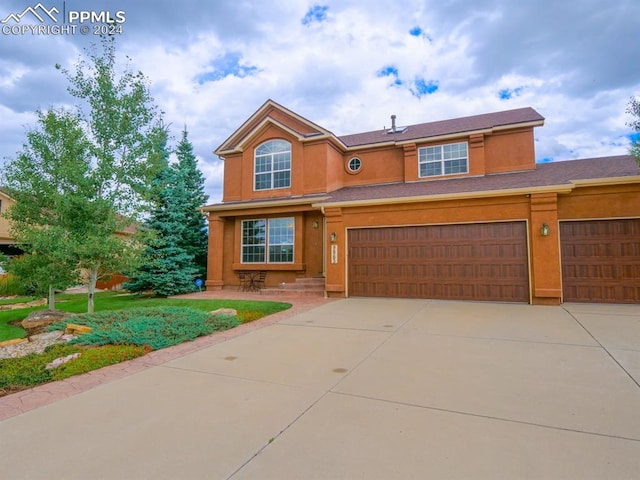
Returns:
(545, 174)
(446, 127)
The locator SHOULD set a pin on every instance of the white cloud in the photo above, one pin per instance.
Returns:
(555, 57)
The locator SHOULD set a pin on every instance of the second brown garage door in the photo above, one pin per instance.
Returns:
(484, 261)
(601, 261)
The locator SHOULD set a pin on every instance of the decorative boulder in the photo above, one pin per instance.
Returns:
(225, 312)
(43, 317)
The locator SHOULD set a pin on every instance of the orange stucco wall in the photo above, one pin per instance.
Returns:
(510, 151)
(232, 188)
(613, 201)
(225, 238)
(318, 166)
(381, 165)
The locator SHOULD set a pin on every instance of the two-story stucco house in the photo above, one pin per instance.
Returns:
(454, 209)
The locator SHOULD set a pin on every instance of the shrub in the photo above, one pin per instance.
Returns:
(11, 285)
(29, 370)
(156, 327)
(98, 357)
(247, 316)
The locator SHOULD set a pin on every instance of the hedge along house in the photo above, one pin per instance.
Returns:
(454, 209)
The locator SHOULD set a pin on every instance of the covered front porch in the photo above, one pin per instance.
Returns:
(281, 240)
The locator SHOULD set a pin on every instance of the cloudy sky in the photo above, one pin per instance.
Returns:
(348, 65)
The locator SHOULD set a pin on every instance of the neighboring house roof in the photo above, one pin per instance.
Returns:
(476, 123)
(553, 176)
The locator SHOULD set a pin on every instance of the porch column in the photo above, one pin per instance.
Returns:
(215, 253)
(546, 272)
(335, 256)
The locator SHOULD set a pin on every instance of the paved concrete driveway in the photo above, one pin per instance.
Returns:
(364, 388)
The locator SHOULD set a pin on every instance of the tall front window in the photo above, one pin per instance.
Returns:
(446, 159)
(254, 240)
(274, 236)
(272, 165)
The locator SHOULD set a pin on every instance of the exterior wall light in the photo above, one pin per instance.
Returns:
(544, 230)
(316, 224)
(334, 236)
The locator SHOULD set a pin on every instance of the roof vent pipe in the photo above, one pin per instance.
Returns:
(393, 123)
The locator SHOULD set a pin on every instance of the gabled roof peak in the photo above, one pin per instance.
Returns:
(297, 125)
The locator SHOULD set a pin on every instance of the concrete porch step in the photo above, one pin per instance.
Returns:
(291, 292)
(313, 286)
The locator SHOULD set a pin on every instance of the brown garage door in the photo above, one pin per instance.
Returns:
(460, 262)
(601, 261)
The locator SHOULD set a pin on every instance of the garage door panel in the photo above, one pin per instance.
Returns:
(601, 260)
(470, 262)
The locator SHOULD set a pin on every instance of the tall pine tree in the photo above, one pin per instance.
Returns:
(194, 238)
(167, 268)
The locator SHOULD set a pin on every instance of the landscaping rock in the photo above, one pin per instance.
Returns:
(16, 306)
(15, 341)
(36, 345)
(61, 361)
(226, 312)
(73, 329)
(55, 335)
(43, 317)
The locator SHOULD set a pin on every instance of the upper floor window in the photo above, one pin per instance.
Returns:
(272, 165)
(448, 159)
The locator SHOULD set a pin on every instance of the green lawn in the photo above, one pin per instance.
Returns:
(248, 310)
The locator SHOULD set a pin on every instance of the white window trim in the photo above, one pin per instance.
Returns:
(266, 245)
(442, 160)
(243, 245)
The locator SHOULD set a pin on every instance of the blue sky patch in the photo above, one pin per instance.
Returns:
(419, 32)
(634, 137)
(317, 13)
(545, 160)
(390, 71)
(387, 71)
(423, 87)
(229, 64)
(508, 93)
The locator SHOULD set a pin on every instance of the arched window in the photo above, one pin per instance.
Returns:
(272, 166)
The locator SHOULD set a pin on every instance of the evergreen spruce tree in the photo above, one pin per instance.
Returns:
(167, 268)
(194, 239)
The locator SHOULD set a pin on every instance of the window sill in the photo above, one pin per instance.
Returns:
(270, 266)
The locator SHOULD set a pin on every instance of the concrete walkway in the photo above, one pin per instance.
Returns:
(363, 388)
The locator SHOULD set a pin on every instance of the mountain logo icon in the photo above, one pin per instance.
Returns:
(38, 11)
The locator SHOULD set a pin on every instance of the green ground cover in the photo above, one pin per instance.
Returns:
(248, 310)
(124, 327)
